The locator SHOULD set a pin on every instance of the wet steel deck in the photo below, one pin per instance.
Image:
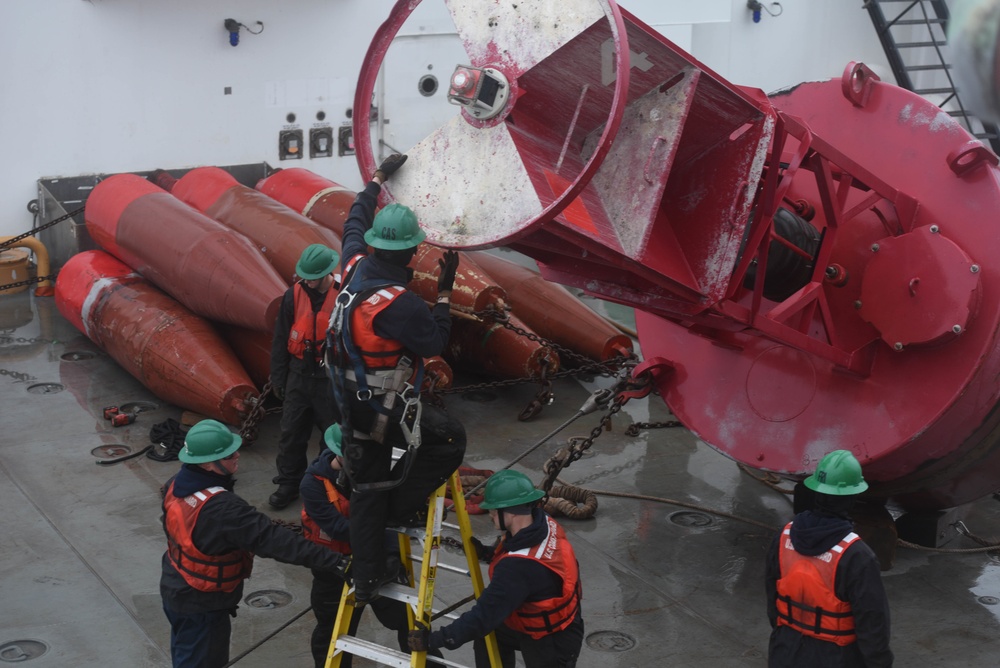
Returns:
(80, 555)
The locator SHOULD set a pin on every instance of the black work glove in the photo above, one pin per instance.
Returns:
(449, 265)
(343, 569)
(483, 553)
(278, 390)
(417, 640)
(389, 166)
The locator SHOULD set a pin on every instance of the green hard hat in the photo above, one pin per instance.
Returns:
(509, 488)
(209, 441)
(395, 228)
(838, 474)
(333, 436)
(316, 262)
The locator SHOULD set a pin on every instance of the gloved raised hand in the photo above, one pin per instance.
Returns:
(389, 166)
(449, 265)
(417, 640)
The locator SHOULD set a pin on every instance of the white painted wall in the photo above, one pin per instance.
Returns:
(104, 86)
(811, 40)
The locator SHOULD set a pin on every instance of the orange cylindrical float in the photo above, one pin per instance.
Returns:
(490, 348)
(328, 204)
(207, 267)
(253, 349)
(176, 354)
(278, 232)
(553, 312)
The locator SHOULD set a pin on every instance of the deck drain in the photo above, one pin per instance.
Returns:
(77, 356)
(19, 651)
(111, 450)
(137, 407)
(45, 388)
(610, 641)
(687, 518)
(479, 396)
(268, 599)
(988, 600)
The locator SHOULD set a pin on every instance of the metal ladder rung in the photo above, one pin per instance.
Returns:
(915, 45)
(407, 595)
(935, 91)
(924, 68)
(385, 656)
(916, 22)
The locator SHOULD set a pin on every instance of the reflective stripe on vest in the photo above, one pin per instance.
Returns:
(541, 618)
(806, 600)
(312, 531)
(309, 327)
(204, 572)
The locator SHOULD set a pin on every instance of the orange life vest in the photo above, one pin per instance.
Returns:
(312, 531)
(204, 572)
(377, 354)
(309, 328)
(806, 599)
(541, 618)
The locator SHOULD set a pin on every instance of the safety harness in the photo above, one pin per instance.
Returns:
(348, 364)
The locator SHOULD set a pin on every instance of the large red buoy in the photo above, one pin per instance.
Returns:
(278, 232)
(814, 270)
(207, 267)
(176, 354)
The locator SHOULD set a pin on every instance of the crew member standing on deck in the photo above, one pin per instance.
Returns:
(297, 374)
(825, 598)
(379, 335)
(533, 599)
(212, 536)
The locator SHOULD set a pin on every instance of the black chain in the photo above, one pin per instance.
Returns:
(634, 428)
(250, 429)
(491, 314)
(21, 339)
(36, 230)
(28, 281)
(17, 375)
(566, 456)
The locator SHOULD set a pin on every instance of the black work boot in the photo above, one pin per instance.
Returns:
(366, 591)
(285, 495)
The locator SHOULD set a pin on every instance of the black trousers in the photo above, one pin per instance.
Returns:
(558, 650)
(441, 453)
(308, 403)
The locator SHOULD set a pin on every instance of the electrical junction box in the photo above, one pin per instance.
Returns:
(290, 145)
(321, 142)
(345, 141)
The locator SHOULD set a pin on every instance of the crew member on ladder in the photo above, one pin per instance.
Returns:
(379, 334)
(297, 374)
(212, 536)
(533, 599)
(325, 521)
(825, 598)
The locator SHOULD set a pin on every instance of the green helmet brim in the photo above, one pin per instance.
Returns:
(376, 241)
(185, 456)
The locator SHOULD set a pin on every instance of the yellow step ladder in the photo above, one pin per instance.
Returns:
(419, 596)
